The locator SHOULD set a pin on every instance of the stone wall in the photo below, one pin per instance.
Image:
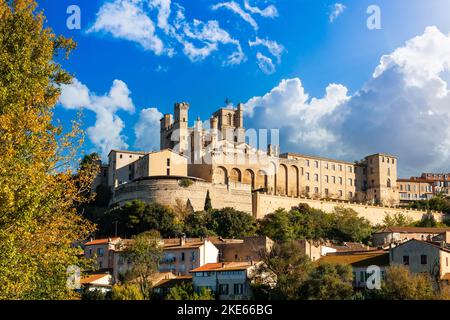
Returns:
(265, 203)
(168, 191)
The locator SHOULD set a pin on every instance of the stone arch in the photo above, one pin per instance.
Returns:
(235, 175)
(261, 180)
(272, 178)
(388, 183)
(221, 175)
(294, 181)
(249, 178)
(282, 180)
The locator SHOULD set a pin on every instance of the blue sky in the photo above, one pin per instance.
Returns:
(309, 51)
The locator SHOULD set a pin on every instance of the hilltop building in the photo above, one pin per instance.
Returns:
(221, 160)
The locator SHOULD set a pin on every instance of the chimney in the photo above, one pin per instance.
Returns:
(183, 240)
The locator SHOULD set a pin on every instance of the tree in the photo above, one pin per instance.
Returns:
(277, 226)
(38, 190)
(400, 284)
(282, 273)
(230, 223)
(186, 291)
(349, 227)
(397, 220)
(208, 205)
(144, 256)
(328, 282)
(136, 216)
(128, 291)
(428, 221)
(195, 225)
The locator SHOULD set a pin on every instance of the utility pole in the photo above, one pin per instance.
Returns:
(115, 228)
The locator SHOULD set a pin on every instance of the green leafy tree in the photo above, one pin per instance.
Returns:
(144, 255)
(230, 223)
(328, 282)
(282, 273)
(186, 291)
(38, 188)
(428, 221)
(397, 220)
(136, 216)
(277, 226)
(348, 226)
(195, 225)
(400, 284)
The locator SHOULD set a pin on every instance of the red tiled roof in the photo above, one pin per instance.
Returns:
(225, 266)
(169, 283)
(101, 241)
(93, 277)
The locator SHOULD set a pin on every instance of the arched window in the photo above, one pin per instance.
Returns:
(229, 119)
(389, 183)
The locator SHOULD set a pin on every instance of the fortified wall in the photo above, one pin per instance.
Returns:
(171, 192)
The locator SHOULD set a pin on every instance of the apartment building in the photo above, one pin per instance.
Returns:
(395, 235)
(102, 251)
(360, 263)
(423, 256)
(245, 249)
(228, 280)
(126, 166)
(184, 254)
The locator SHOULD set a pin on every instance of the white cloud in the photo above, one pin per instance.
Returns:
(236, 8)
(265, 63)
(289, 108)
(164, 11)
(210, 34)
(403, 109)
(269, 12)
(131, 20)
(335, 11)
(106, 134)
(126, 19)
(147, 129)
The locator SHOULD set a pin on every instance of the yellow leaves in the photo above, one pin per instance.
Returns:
(39, 225)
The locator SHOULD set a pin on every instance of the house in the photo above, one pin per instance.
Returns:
(423, 256)
(180, 255)
(228, 280)
(360, 263)
(102, 250)
(402, 234)
(314, 249)
(163, 287)
(246, 249)
(100, 281)
(184, 254)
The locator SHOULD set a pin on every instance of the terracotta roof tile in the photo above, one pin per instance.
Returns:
(225, 266)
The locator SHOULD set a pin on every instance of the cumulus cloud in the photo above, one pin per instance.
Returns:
(126, 19)
(106, 134)
(289, 108)
(402, 109)
(335, 11)
(147, 129)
